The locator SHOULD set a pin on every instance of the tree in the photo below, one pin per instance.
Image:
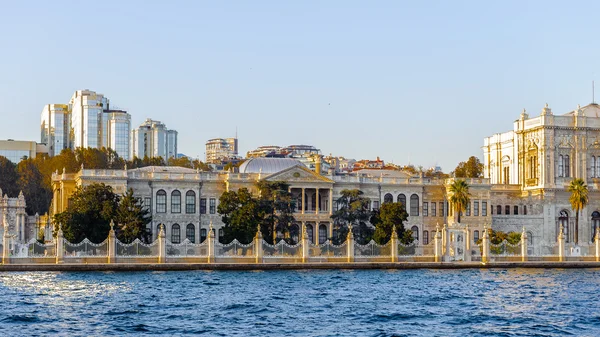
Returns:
(385, 218)
(353, 210)
(89, 213)
(197, 164)
(472, 168)
(578, 200)
(277, 207)
(132, 218)
(8, 177)
(241, 214)
(460, 196)
(181, 162)
(31, 182)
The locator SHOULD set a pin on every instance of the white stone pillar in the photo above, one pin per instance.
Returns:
(467, 243)
(485, 242)
(317, 208)
(316, 232)
(523, 245)
(330, 201)
(303, 200)
(211, 243)
(60, 245)
(597, 242)
(394, 243)
(258, 247)
(112, 243)
(561, 244)
(162, 245)
(305, 245)
(438, 244)
(350, 245)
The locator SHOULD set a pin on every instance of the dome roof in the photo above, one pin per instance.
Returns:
(268, 165)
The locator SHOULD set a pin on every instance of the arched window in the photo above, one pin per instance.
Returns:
(425, 237)
(567, 164)
(595, 224)
(560, 166)
(516, 210)
(294, 234)
(190, 233)
(563, 219)
(524, 209)
(161, 201)
(415, 232)
(202, 234)
(158, 227)
(593, 167)
(598, 167)
(402, 199)
(414, 205)
(221, 235)
(176, 202)
(499, 210)
(507, 210)
(190, 202)
(322, 233)
(388, 198)
(311, 233)
(530, 239)
(475, 235)
(175, 234)
(313, 202)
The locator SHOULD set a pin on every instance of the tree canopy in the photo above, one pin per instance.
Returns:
(460, 196)
(131, 219)
(353, 210)
(385, 218)
(472, 168)
(578, 199)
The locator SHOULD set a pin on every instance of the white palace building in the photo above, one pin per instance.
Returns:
(527, 171)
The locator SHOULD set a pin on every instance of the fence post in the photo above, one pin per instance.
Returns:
(597, 242)
(211, 244)
(523, 245)
(60, 245)
(485, 242)
(437, 239)
(305, 245)
(394, 243)
(258, 239)
(111, 243)
(561, 244)
(350, 243)
(162, 245)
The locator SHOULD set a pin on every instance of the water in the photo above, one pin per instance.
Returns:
(303, 303)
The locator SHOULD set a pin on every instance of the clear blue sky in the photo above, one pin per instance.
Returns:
(423, 81)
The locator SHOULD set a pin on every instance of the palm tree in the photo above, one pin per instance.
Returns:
(460, 196)
(578, 200)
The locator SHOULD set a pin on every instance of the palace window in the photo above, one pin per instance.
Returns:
(597, 167)
(202, 234)
(176, 202)
(148, 204)
(388, 198)
(468, 210)
(563, 219)
(433, 210)
(414, 205)
(476, 208)
(402, 199)
(442, 209)
(415, 233)
(213, 206)
(375, 205)
(524, 209)
(561, 169)
(202, 205)
(567, 171)
(322, 233)
(484, 208)
(311, 233)
(190, 202)
(595, 224)
(221, 235)
(475, 235)
(507, 210)
(425, 209)
(499, 210)
(175, 234)
(516, 210)
(593, 168)
(190, 233)
(161, 201)
(425, 237)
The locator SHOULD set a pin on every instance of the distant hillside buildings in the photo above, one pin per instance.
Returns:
(220, 150)
(153, 139)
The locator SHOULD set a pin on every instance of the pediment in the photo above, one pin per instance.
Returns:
(299, 174)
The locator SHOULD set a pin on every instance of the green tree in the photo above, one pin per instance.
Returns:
(241, 214)
(276, 207)
(578, 200)
(385, 218)
(8, 177)
(89, 213)
(197, 164)
(31, 182)
(353, 210)
(132, 218)
(460, 196)
(181, 162)
(472, 168)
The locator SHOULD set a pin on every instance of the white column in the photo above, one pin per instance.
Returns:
(316, 232)
(317, 201)
(303, 200)
(258, 247)
(523, 245)
(60, 248)
(597, 242)
(438, 244)
(111, 243)
(305, 245)
(485, 241)
(330, 201)
(394, 243)
(350, 245)
(561, 244)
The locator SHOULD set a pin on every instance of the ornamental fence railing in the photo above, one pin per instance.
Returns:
(210, 250)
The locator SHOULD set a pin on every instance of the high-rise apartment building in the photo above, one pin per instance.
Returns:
(219, 149)
(153, 139)
(87, 121)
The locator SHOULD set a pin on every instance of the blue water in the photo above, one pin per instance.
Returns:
(303, 303)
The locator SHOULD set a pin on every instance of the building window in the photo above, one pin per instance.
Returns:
(375, 204)
(311, 233)
(202, 234)
(530, 239)
(595, 224)
(567, 164)
(597, 166)
(484, 208)
(425, 237)
(468, 209)
(190, 202)
(322, 234)
(516, 210)
(175, 234)
(221, 235)
(476, 208)
(507, 175)
(161, 201)
(415, 233)
(148, 204)
(442, 208)
(524, 209)
(507, 210)
(563, 219)
(560, 166)
(402, 199)
(499, 210)
(433, 210)
(492, 209)
(176, 202)
(475, 235)
(213, 206)
(425, 209)
(593, 167)
(190, 233)
(414, 205)
(388, 198)
(202, 205)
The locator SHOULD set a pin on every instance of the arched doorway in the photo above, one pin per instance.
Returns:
(563, 219)
(595, 224)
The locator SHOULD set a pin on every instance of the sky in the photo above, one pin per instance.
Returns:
(419, 82)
